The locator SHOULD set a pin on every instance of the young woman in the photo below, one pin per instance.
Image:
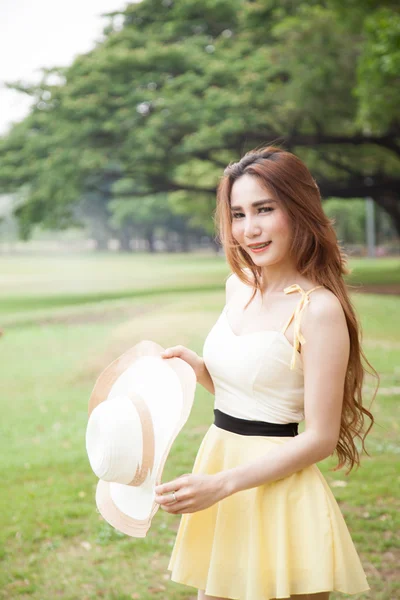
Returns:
(259, 520)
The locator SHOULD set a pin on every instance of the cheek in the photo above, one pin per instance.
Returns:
(237, 229)
(276, 224)
(280, 225)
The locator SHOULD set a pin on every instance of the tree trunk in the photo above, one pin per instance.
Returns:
(390, 202)
(215, 244)
(149, 236)
(169, 244)
(185, 245)
(124, 238)
(101, 244)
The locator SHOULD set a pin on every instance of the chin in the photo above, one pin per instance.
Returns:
(261, 261)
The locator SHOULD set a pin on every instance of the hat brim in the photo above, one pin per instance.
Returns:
(185, 375)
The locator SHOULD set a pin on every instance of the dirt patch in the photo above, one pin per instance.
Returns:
(388, 391)
(99, 316)
(165, 328)
(195, 431)
(392, 289)
(388, 569)
(384, 344)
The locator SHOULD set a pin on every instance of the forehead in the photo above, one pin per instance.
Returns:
(247, 189)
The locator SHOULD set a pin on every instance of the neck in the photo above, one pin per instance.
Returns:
(278, 276)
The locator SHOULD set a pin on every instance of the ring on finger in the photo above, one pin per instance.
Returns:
(175, 498)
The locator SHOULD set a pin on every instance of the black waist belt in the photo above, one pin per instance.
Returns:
(246, 427)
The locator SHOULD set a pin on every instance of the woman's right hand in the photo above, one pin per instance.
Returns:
(193, 359)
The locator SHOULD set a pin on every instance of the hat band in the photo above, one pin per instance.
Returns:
(148, 441)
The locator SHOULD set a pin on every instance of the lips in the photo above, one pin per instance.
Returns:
(255, 246)
(260, 250)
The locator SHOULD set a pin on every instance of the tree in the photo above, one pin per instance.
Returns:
(187, 86)
(349, 219)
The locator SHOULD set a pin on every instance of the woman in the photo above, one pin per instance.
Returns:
(259, 520)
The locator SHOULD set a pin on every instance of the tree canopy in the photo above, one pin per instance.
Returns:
(178, 88)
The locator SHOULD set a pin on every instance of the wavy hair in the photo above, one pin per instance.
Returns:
(318, 256)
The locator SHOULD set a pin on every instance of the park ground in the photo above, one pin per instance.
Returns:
(64, 318)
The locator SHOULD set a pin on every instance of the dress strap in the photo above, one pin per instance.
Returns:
(296, 315)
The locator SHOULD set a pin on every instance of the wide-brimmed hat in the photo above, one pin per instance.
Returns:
(138, 405)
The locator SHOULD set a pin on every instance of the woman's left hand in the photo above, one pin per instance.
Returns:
(192, 493)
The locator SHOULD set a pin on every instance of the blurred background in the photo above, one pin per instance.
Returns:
(116, 122)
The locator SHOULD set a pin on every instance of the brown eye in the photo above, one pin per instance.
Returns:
(237, 215)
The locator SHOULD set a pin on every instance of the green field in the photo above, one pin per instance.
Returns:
(64, 320)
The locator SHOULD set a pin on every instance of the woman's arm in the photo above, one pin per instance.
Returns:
(204, 378)
(325, 357)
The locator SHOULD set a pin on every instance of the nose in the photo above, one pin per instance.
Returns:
(251, 228)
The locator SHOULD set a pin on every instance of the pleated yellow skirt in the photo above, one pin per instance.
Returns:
(282, 538)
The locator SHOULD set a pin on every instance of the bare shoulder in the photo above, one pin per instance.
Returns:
(324, 312)
(233, 284)
(324, 303)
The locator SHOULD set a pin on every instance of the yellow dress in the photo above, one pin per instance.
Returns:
(281, 538)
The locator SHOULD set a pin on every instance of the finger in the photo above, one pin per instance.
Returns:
(165, 499)
(188, 509)
(175, 508)
(170, 486)
(167, 353)
(173, 351)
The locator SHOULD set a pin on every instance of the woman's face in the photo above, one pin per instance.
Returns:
(265, 222)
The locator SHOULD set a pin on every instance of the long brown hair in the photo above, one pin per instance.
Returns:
(318, 257)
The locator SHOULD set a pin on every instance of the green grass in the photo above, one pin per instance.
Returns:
(32, 287)
(370, 271)
(53, 543)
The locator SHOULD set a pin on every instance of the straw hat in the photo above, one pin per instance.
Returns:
(138, 405)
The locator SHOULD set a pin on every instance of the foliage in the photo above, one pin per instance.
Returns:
(349, 219)
(378, 72)
(184, 87)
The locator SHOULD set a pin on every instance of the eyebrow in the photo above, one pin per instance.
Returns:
(256, 203)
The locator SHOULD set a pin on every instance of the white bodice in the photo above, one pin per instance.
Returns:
(259, 375)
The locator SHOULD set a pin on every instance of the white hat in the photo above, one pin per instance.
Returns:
(137, 407)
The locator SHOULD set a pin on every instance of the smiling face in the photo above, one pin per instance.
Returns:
(258, 217)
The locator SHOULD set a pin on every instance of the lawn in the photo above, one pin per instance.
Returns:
(64, 320)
